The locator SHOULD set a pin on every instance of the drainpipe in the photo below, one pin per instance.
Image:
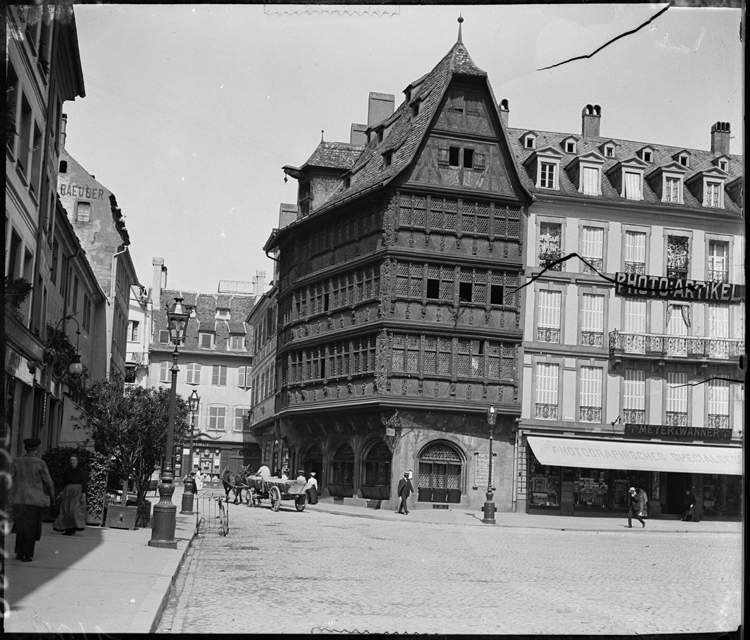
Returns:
(112, 300)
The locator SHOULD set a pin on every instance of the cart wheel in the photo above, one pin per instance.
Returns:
(300, 503)
(275, 496)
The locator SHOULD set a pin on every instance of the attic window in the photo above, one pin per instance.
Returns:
(684, 160)
(380, 135)
(609, 151)
(387, 158)
(347, 182)
(529, 142)
(453, 154)
(723, 165)
(469, 158)
(570, 146)
(415, 109)
(647, 156)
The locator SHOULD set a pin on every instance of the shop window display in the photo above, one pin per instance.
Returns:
(544, 484)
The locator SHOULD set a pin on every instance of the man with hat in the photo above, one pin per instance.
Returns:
(637, 506)
(404, 491)
(30, 495)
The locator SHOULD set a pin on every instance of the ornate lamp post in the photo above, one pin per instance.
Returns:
(489, 506)
(188, 496)
(165, 513)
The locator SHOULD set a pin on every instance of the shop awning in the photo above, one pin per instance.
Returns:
(636, 456)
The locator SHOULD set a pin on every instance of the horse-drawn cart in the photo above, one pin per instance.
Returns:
(275, 489)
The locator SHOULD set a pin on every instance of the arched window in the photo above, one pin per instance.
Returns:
(378, 466)
(341, 481)
(440, 472)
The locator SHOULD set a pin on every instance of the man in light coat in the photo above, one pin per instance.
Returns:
(30, 495)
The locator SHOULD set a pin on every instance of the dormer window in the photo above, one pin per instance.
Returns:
(684, 158)
(609, 150)
(708, 187)
(387, 158)
(347, 182)
(713, 194)
(633, 185)
(545, 167)
(415, 109)
(380, 134)
(222, 313)
(647, 154)
(672, 189)
(586, 171)
(668, 182)
(570, 144)
(723, 165)
(722, 162)
(529, 141)
(627, 177)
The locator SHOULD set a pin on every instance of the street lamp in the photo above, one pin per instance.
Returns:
(489, 506)
(188, 495)
(165, 513)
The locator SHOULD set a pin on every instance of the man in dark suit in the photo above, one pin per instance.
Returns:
(404, 491)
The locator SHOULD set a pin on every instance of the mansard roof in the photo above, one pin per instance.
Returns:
(663, 157)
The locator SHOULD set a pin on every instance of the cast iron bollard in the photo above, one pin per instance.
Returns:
(188, 495)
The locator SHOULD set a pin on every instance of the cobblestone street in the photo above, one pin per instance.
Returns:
(290, 572)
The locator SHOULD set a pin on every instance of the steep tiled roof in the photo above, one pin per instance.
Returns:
(405, 133)
(334, 155)
(626, 149)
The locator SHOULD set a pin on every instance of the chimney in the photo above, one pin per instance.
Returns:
(259, 283)
(592, 117)
(159, 281)
(287, 214)
(380, 106)
(504, 111)
(720, 139)
(63, 129)
(357, 134)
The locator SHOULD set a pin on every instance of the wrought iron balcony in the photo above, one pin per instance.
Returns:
(634, 416)
(592, 339)
(676, 419)
(546, 411)
(718, 275)
(590, 414)
(716, 421)
(547, 335)
(685, 347)
(639, 268)
(597, 263)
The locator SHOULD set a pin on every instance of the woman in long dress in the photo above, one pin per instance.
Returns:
(72, 516)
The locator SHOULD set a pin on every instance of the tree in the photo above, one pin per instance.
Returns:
(130, 425)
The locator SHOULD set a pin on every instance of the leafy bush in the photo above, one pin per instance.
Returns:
(93, 463)
(16, 292)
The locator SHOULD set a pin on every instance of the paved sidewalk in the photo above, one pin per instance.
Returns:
(466, 517)
(100, 580)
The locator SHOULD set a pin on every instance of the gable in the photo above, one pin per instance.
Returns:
(465, 147)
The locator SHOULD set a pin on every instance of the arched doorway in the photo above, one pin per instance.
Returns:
(376, 479)
(440, 474)
(313, 461)
(341, 478)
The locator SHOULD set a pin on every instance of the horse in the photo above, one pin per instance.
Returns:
(234, 480)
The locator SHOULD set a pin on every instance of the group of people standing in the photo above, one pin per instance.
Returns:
(33, 491)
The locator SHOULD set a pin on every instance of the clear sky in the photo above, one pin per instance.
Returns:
(191, 110)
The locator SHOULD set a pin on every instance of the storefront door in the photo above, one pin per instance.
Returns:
(675, 485)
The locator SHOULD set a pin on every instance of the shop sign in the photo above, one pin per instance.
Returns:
(643, 286)
(482, 470)
(678, 433)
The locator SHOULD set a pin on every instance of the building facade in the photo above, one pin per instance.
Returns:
(631, 348)
(216, 362)
(100, 226)
(398, 322)
(43, 71)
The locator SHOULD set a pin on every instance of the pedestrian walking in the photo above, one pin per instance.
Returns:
(311, 489)
(30, 495)
(691, 512)
(72, 516)
(404, 491)
(198, 480)
(636, 507)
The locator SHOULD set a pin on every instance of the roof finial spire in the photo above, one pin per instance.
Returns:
(460, 20)
(322, 131)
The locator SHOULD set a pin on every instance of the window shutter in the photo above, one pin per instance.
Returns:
(633, 189)
(549, 309)
(718, 321)
(591, 387)
(718, 397)
(634, 392)
(677, 392)
(591, 181)
(593, 242)
(593, 313)
(635, 246)
(546, 383)
(635, 316)
(676, 325)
